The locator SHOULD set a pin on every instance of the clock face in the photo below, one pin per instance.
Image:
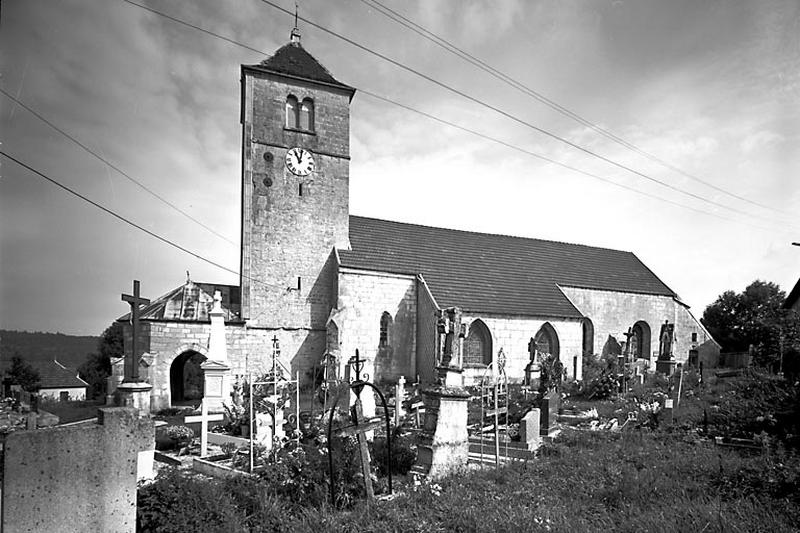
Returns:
(300, 162)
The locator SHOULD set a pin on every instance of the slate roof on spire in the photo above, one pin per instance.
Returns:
(293, 60)
(501, 274)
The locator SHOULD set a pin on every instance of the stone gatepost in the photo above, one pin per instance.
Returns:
(217, 369)
(443, 446)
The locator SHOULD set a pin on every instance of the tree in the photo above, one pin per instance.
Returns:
(753, 317)
(97, 367)
(23, 374)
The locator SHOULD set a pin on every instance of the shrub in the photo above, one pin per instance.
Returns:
(404, 454)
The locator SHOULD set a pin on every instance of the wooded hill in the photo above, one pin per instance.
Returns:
(70, 350)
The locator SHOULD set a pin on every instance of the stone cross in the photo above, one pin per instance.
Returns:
(450, 326)
(204, 418)
(132, 363)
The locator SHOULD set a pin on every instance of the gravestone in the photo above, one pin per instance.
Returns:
(399, 395)
(216, 368)
(443, 445)
(529, 432)
(133, 391)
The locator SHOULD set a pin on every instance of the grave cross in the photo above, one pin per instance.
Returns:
(132, 363)
(359, 428)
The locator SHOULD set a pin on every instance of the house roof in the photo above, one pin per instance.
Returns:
(52, 374)
(495, 273)
(191, 302)
(293, 60)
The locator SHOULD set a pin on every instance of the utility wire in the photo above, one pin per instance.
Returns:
(119, 170)
(554, 161)
(130, 222)
(504, 113)
(564, 165)
(466, 56)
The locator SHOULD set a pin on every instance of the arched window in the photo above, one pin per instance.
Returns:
(292, 112)
(307, 115)
(546, 340)
(640, 341)
(588, 337)
(386, 326)
(478, 345)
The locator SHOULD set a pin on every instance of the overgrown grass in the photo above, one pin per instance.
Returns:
(668, 479)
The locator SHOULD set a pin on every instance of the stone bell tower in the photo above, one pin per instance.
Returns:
(295, 185)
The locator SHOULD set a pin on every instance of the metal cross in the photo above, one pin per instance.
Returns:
(132, 363)
(359, 428)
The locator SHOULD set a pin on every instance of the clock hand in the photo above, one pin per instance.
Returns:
(299, 156)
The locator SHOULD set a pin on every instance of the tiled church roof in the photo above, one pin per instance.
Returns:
(495, 273)
(293, 60)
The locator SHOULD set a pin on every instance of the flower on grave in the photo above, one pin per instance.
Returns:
(179, 433)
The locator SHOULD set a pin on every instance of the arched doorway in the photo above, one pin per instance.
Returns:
(588, 337)
(641, 340)
(478, 345)
(546, 340)
(186, 378)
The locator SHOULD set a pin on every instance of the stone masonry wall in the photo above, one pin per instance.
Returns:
(249, 350)
(513, 333)
(363, 298)
(77, 478)
(612, 313)
(290, 224)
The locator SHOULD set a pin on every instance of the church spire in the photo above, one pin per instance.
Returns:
(295, 35)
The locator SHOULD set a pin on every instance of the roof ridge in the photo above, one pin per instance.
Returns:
(505, 235)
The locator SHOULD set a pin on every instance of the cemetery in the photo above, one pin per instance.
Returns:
(675, 447)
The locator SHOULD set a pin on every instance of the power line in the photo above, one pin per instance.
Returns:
(130, 222)
(505, 113)
(466, 56)
(554, 161)
(119, 170)
(564, 165)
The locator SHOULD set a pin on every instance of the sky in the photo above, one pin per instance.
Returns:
(708, 90)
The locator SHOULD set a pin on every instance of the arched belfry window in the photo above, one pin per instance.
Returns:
(292, 112)
(385, 331)
(478, 345)
(546, 340)
(307, 115)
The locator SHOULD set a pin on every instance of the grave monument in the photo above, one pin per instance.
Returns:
(216, 369)
(133, 391)
(443, 445)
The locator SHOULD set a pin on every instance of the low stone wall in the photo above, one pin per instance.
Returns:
(77, 478)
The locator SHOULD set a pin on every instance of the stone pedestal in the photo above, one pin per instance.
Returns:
(443, 446)
(450, 376)
(135, 394)
(217, 384)
(666, 367)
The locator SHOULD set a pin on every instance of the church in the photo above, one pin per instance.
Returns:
(316, 280)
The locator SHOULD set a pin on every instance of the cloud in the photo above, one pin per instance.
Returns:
(760, 139)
